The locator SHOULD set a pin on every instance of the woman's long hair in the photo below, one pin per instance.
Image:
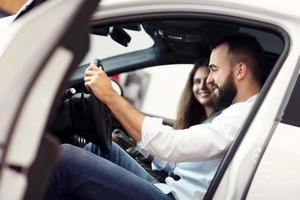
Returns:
(190, 112)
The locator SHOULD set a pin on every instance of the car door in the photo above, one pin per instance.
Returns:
(36, 53)
(279, 166)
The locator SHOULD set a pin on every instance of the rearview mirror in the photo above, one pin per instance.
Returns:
(119, 35)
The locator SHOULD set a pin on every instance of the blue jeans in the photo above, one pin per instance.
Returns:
(80, 174)
(120, 157)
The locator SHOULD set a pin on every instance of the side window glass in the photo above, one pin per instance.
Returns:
(156, 90)
(292, 111)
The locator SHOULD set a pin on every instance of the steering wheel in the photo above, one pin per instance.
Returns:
(102, 119)
(102, 122)
(84, 115)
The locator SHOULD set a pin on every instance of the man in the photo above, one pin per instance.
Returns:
(235, 76)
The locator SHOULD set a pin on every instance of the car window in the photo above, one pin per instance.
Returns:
(155, 90)
(292, 112)
(104, 47)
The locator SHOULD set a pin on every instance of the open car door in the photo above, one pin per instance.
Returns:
(36, 54)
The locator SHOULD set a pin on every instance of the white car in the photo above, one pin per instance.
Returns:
(42, 56)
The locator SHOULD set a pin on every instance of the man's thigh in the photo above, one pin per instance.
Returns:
(83, 175)
(120, 157)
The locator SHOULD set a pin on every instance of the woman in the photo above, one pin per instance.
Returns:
(196, 103)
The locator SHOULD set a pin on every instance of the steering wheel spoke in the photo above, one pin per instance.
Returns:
(103, 124)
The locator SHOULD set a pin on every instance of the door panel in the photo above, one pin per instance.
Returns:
(280, 164)
(36, 55)
(278, 174)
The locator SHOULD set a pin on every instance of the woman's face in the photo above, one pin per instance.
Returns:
(202, 92)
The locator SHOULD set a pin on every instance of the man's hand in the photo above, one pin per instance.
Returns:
(98, 82)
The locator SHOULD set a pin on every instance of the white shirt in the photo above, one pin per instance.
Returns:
(198, 150)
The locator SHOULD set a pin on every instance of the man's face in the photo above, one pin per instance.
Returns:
(221, 77)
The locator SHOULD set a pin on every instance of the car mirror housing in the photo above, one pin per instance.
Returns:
(120, 36)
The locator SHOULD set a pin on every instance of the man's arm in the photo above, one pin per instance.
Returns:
(132, 120)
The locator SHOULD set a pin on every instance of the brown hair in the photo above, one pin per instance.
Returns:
(190, 112)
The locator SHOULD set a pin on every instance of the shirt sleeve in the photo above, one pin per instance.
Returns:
(199, 142)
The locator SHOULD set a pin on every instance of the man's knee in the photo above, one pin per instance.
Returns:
(67, 148)
(70, 153)
(89, 147)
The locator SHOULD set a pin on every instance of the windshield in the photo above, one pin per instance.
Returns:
(104, 47)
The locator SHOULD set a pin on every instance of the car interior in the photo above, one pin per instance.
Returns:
(80, 118)
(175, 42)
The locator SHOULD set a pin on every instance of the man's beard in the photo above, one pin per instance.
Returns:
(227, 93)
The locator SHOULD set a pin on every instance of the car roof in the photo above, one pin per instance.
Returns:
(290, 8)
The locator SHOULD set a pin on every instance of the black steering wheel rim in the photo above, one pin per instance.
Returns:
(103, 124)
